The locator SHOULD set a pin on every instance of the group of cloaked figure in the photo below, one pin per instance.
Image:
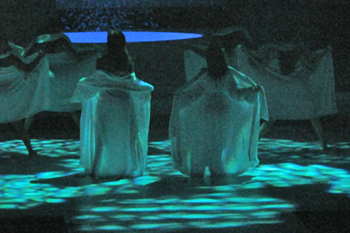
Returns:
(216, 115)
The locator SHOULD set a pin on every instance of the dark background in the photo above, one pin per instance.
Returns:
(316, 23)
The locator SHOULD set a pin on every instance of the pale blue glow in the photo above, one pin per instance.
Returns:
(131, 37)
(83, 217)
(126, 190)
(55, 200)
(118, 183)
(202, 200)
(150, 226)
(145, 180)
(50, 175)
(138, 201)
(111, 227)
(95, 190)
(141, 209)
(104, 209)
(124, 217)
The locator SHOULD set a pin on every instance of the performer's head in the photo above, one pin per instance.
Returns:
(288, 59)
(117, 52)
(116, 40)
(216, 61)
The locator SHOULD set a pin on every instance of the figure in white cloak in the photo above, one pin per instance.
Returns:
(115, 115)
(23, 89)
(68, 64)
(299, 83)
(215, 120)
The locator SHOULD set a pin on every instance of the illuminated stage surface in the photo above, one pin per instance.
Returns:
(293, 177)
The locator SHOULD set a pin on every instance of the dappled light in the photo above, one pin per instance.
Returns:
(164, 198)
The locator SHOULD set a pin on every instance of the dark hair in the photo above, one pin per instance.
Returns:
(288, 60)
(217, 66)
(118, 55)
(116, 41)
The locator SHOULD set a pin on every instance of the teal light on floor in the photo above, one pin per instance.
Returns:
(163, 198)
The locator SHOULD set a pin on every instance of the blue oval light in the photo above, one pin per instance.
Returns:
(131, 37)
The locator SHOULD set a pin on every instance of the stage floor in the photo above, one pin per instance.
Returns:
(296, 188)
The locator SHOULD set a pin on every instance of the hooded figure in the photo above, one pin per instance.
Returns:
(115, 117)
(215, 120)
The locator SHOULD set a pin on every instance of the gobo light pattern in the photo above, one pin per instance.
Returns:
(132, 204)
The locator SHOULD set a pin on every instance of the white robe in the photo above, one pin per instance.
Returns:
(23, 94)
(214, 124)
(308, 92)
(65, 73)
(114, 124)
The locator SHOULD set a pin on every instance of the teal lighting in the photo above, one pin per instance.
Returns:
(111, 227)
(118, 183)
(124, 217)
(104, 209)
(141, 209)
(149, 226)
(137, 203)
(145, 180)
(87, 217)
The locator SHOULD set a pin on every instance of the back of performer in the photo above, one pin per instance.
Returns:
(215, 120)
(115, 116)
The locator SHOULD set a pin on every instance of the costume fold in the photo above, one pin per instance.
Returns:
(114, 124)
(23, 94)
(65, 73)
(306, 92)
(215, 124)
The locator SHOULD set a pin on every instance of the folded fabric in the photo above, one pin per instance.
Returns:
(24, 93)
(65, 73)
(307, 92)
(114, 124)
(216, 124)
(19, 50)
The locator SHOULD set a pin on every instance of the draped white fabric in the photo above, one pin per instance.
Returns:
(19, 50)
(216, 124)
(65, 73)
(24, 93)
(308, 92)
(114, 124)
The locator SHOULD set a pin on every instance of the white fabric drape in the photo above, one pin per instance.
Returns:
(65, 73)
(216, 124)
(308, 92)
(114, 124)
(24, 93)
